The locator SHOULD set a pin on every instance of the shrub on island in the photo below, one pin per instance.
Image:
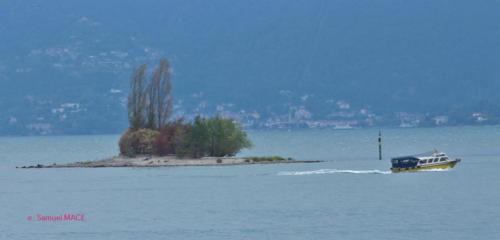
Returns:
(172, 139)
(138, 142)
(214, 137)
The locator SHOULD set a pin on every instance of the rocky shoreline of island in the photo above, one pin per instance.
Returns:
(170, 161)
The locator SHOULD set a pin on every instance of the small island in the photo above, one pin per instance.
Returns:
(154, 139)
(170, 161)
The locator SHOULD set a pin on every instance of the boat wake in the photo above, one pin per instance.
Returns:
(332, 171)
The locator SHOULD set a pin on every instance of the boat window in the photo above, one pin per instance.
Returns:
(435, 159)
(442, 159)
(423, 161)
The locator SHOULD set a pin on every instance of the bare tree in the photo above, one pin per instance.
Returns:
(151, 104)
(137, 99)
(160, 93)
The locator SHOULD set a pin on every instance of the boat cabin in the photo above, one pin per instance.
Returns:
(404, 162)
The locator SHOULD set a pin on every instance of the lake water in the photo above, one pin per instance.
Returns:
(351, 195)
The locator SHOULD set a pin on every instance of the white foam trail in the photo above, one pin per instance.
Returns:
(332, 171)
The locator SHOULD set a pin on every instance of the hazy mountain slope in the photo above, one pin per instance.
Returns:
(425, 56)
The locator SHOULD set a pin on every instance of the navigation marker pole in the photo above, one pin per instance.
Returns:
(379, 145)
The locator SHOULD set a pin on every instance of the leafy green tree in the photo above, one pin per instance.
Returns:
(198, 138)
(226, 137)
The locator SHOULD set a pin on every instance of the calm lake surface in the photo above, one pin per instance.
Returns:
(351, 195)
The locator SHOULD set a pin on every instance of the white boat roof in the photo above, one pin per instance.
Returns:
(433, 153)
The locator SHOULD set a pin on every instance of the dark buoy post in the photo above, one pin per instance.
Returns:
(379, 145)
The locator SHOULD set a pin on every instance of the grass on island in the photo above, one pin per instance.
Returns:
(267, 159)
